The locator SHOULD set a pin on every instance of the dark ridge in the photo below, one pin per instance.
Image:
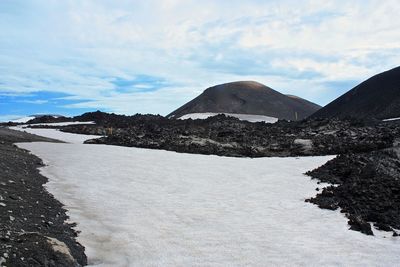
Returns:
(48, 119)
(118, 121)
(376, 98)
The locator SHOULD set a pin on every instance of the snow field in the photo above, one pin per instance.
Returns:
(139, 207)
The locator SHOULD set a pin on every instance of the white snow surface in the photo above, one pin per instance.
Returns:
(139, 207)
(243, 117)
(56, 134)
(392, 119)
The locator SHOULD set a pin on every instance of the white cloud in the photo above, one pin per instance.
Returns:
(37, 101)
(79, 47)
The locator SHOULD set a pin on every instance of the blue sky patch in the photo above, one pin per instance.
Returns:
(38, 103)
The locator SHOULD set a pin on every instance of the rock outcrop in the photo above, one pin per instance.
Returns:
(366, 188)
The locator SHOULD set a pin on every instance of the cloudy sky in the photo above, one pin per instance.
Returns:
(151, 56)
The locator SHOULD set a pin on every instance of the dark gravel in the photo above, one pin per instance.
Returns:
(33, 231)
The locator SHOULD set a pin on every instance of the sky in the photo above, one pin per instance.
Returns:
(151, 56)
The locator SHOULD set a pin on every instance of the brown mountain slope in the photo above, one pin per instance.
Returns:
(247, 97)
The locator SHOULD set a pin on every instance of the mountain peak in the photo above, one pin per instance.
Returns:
(244, 84)
(247, 97)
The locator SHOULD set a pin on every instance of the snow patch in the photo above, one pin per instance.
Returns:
(56, 134)
(243, 117)
(392, 119)
(140, 207)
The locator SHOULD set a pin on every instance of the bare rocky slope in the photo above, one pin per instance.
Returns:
(247, 97)
(378, 98)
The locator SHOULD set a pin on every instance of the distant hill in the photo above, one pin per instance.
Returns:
(36, 118)
(247, 97)
(376, 98)
(47, 118)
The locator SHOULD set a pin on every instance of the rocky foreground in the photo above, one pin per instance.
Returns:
(366, 187)
(34, 231)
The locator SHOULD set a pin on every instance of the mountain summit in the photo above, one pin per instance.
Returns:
(378, 97)
(247, 97)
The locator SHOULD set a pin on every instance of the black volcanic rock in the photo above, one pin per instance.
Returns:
(367, 189)
(376, 98)
(228, 136)
(118, 121)
(96, 116)
(247, 97)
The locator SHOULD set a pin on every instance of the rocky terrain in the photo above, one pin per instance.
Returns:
(49, 119)
(227, 136)
(366, 188)
(247, 97)
(33, 224)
